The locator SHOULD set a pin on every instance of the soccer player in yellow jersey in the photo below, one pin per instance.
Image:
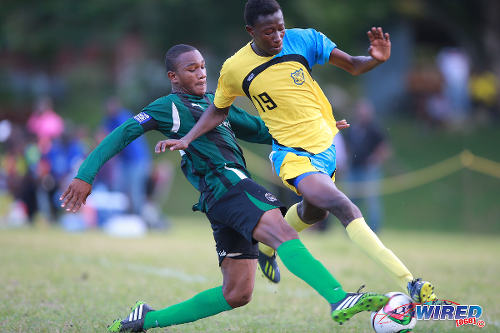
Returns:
(274, 71)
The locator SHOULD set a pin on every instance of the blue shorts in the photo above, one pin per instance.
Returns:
(293, 165)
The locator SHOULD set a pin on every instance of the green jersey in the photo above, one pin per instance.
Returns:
(213, 163)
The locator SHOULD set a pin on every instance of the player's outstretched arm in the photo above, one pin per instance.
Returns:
(379, 50)
(248, 127)
(210, 119)
(80, 188)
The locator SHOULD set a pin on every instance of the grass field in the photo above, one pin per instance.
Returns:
(52, 281)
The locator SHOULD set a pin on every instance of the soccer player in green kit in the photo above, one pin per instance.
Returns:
(240, 211)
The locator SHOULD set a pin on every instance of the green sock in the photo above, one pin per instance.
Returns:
(207, 303)
(300, 262)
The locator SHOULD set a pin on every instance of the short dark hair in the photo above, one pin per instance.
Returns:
(256, 8)
(173, 53)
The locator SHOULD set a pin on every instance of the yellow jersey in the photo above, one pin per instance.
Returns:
(289, 101)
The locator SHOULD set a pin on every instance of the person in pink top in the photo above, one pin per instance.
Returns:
(45, 123)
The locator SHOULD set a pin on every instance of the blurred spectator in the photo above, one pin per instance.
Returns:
(5, 130)
(438, 109)
(454, 65)
(132, 166)
(48, 165)
(45, 123)
(368, 149)
(483, 89)
(425, 85)
(63, 157)
(158, 189)
(18, 182)
(30, 177)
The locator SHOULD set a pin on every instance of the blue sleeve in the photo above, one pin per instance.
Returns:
(311, 44)
(319, 48)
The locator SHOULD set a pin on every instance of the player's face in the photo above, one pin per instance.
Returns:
(268, 32)
(190, 77)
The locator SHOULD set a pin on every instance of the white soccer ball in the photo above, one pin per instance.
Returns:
(395, 316)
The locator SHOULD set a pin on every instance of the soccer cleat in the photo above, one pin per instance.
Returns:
(353, 303)
(134, 322)
(421, 291)
(269, 266)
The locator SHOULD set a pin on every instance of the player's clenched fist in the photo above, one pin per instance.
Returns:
(342, 124)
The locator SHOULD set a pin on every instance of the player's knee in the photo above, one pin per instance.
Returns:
(314, 215)
(238, 297)
(340, 206)
(345, 210)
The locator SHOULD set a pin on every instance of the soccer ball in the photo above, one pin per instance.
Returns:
(395, 316)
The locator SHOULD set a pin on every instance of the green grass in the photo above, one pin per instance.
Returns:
(52, 281)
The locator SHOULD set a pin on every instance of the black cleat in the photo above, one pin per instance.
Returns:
(269, 266)
(134, 322)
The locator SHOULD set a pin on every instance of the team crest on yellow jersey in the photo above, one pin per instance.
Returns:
(298, 77)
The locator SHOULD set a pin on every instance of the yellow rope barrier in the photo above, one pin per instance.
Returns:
(407, 181)
(398, 183)
(480, 164)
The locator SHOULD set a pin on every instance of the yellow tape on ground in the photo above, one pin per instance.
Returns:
(393, 184)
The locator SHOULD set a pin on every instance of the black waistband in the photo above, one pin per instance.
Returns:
(296, 148)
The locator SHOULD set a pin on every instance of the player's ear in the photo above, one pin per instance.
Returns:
(250, 30)
(172, 76)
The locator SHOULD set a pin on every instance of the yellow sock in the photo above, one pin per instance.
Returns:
(361, 234)
(293, 219)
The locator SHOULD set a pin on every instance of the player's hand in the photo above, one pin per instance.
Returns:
(171, 144)
(380, 44)
(75, 195)
(342, 124)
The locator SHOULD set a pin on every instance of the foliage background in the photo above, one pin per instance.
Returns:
(76, 51)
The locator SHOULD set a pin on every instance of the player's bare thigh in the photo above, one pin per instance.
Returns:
(273, 230)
